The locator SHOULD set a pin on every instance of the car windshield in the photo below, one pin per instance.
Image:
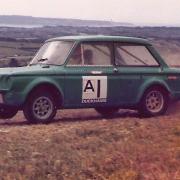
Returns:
(53, 53)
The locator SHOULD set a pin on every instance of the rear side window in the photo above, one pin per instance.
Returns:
(92, 54)
(133, 55)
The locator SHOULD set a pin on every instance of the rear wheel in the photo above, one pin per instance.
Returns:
(40, 107)
(154, 102)
(107, 111)
(7, 112)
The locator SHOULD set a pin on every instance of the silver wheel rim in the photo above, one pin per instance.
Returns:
(154, 101)
(42, 108)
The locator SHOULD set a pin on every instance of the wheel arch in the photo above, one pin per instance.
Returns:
(50, 86)
(160, 85)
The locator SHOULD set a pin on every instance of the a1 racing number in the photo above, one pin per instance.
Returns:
(94, 89)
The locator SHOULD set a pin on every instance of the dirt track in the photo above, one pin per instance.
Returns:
(80, 144)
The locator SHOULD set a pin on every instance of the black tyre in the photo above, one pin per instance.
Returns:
(107, 111)
(40, 107)
(7, 112)
(154, 102)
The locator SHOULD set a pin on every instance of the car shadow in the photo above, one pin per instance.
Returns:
(76, 118)
(127, 114)
(13, 123)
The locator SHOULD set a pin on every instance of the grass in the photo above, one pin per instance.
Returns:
(82, 145)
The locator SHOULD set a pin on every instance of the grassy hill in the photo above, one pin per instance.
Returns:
(26, 41)
(43, 33)
(17, 20)
(24, 50)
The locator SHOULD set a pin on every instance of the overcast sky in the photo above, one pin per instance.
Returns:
(133, 11)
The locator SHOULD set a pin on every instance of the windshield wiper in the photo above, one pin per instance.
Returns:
(31, 64)
(42, 59)
(39, 60)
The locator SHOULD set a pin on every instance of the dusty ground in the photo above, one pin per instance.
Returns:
(80, 144)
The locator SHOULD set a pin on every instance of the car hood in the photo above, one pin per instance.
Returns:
(31, 70)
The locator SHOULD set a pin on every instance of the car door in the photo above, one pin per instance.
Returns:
(89, 75)
(132, 61)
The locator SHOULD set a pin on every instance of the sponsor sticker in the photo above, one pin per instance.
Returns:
(94, 89)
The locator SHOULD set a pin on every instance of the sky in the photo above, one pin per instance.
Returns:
(130, 11)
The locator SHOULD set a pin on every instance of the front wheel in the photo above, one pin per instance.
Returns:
(40, 107)
(154, 102)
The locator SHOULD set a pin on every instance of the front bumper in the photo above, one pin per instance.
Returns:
(11, 99)
(1, 99)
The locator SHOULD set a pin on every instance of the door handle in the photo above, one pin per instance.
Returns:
(96, 72)
(115, 70)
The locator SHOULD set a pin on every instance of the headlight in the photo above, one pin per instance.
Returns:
(5, 82)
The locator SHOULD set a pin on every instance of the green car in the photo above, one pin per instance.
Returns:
(101, 72)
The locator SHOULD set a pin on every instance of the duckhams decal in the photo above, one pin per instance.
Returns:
(94, 89)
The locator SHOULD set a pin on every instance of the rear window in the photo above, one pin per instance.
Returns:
(133, 55)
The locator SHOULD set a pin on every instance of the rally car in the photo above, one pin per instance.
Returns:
(101, 72)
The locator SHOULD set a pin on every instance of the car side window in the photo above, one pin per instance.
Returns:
(133, 55)
(92, 54)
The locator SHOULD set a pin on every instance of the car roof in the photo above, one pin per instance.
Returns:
(102, 38)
